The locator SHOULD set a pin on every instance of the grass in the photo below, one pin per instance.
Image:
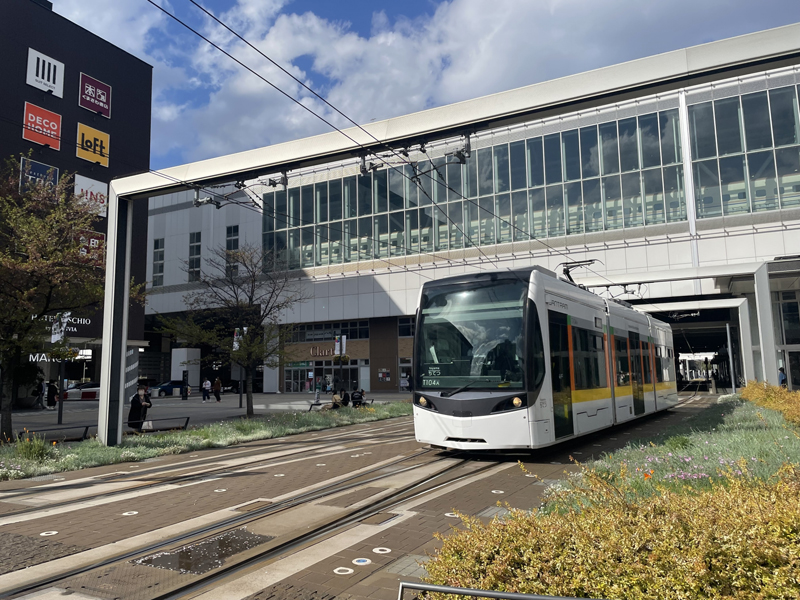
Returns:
(707, 509)
(32, 456)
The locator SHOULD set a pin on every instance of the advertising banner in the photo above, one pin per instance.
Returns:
(42, 126)
(45, 73)
(95, 96)
(94, 192)
(93, 244)
(32, 172)
(58, 327)
(93, 145)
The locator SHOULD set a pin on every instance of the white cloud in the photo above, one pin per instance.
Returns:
(468, 48)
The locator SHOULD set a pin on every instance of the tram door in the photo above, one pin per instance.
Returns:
(560, 369)
(637, 379)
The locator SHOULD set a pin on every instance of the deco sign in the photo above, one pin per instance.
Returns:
(42, 126)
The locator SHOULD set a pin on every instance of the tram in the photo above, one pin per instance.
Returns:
(525, 359)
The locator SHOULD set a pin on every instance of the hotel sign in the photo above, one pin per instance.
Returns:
(32, 172)
(95, 96)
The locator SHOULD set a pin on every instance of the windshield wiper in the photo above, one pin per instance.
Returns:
(461, 389)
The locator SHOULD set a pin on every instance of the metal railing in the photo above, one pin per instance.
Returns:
(183, 427)
(443, 589)
(84, 436)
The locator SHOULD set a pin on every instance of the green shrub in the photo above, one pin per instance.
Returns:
(740, 540)
(33, 447)
(775, 398)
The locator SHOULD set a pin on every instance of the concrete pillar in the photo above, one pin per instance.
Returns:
(766, 333)
(115, 319)
(746, 342)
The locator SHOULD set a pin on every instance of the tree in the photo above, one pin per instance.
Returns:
(44, 267)
(246, 289)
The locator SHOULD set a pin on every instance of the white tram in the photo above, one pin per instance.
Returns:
(523, 359)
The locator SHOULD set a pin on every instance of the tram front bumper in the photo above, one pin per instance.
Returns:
(498, 431)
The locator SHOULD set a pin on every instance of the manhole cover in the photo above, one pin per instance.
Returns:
(206, 555)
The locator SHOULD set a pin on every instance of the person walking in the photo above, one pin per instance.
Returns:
(217, 388)
(781, 377)
(206, 389)
(41, 393)
(52, 395)
(140, 402)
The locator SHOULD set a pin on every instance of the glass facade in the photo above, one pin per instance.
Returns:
(746, 152)
(620, 173)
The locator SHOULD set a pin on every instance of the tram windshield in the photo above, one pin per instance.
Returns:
(472, 336)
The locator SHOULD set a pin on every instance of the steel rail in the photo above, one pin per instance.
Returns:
(233, 522)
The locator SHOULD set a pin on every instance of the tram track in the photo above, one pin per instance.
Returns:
(236, 521)
(135, 477)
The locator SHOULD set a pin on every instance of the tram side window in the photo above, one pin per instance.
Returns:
(559, 353)
(622, 372)
(588, 359)
(660, 362)
(648, 374)
(536, 366)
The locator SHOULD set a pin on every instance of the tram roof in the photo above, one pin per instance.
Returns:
(673, 69)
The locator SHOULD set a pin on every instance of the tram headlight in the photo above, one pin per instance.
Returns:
(517, 402)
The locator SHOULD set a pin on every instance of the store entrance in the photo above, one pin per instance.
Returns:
(793, 370)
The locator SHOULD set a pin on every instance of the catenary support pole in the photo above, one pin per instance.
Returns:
(730, 358)
(115, 318)
(62, 391)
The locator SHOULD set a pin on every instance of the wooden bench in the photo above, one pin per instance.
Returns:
(183, 427)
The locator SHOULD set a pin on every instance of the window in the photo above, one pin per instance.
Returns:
(406, 326)
(158, 262)
(589, 359)
(326, 332)
(194, 256)
(231, 245)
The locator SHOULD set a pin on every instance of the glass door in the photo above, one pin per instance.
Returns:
(793, 376)
(637, 380)
(560, 369)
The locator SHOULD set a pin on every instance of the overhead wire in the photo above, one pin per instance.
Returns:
(327, 122)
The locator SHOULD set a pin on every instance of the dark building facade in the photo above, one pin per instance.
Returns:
(75, 102)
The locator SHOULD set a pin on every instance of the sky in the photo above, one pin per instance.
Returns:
(379, 59)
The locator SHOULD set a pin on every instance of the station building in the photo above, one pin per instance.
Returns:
(677, 174)
(75, 104)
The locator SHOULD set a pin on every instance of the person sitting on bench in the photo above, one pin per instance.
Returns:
(336, 402)
(358, 397)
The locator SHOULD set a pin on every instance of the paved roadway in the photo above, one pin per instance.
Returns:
(345, 513)
(84, 412)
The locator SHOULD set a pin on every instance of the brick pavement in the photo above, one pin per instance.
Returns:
(409, 542)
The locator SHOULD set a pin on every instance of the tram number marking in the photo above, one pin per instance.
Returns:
(434, 371)
(430, 382)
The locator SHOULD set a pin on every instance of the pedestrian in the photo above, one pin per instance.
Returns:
(217, 388)
(41, 394)
(140, 402)
(781, 377)
(336, 401)
(52, 395)
(357, 397)
(206, 389)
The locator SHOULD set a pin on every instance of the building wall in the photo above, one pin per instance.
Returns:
(701, 176)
